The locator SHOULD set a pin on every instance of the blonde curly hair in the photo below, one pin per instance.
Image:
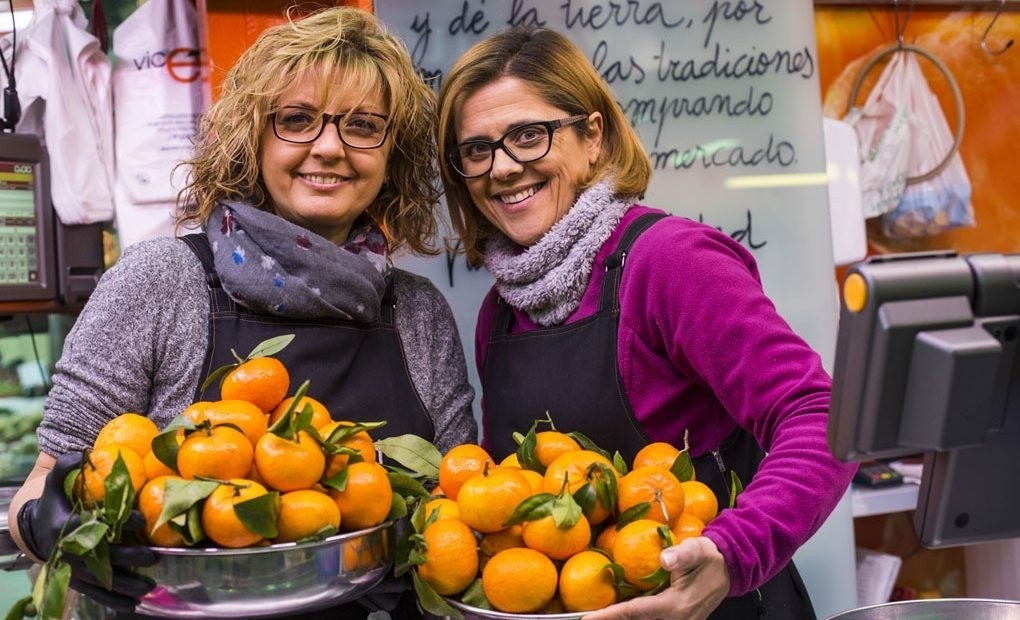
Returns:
(338, 47)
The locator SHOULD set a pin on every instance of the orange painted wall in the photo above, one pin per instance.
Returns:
(231, 26)
(990, 86)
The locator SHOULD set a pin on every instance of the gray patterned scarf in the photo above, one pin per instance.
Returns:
(273, 266)
(548, 279)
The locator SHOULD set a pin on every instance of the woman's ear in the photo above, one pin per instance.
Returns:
(593, 137)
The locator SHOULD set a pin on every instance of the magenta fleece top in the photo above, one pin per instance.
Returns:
(702, 348)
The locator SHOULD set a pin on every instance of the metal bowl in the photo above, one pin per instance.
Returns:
(471, 612)
(936, 609)
(265, 581)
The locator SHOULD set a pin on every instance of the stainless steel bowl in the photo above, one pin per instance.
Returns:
(476, 613)
(265, 581)
(936, 609)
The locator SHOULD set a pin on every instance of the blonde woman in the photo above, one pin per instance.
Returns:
(314, 165)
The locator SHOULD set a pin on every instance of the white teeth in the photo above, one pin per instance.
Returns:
(321, 180)
(519, 196)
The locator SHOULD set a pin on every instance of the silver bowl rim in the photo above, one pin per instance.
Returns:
(499, 615)
(197, 552)
(924, 602)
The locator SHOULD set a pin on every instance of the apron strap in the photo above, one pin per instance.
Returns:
(219, 301)
(610, 297)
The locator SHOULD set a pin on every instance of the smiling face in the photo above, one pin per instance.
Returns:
(525, 200)
(324, 185)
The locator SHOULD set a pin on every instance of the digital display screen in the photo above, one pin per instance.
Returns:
(19, 242)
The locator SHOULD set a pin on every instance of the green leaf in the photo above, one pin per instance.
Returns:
(216, 375)
(413, 452)
(55, 591)
(526, 452)
(405, 485)
(165, 446)
(189, 525)
(604, 481)
(682, 467)
(84, 538)
(620, 464)
(344, 432)
(517, 437)
(119, 499)
(284, 425)
(338, 481)
(588, 444)
(659, 580)
(566, 512)
(180, 495)
(736, 488)
(531, 509)
(20, 609)
(398, 507)
(635, 512)
(270, 346)
(474, 595)
(409, 552)
(430, 601)
(418, 516)
(259, 514)
(98, 563)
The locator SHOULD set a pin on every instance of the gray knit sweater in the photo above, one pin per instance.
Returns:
(139, 344)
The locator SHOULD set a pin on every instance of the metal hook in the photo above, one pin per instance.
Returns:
(902, 28)
(984, 37)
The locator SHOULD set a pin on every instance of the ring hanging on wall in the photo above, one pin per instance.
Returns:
(957, 97)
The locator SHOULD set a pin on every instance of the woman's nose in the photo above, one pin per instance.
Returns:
(329, 141)
(503, 165)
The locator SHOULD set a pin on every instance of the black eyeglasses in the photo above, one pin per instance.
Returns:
(523, 144)
(360, 130)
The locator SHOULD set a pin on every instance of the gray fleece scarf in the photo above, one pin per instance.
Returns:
(273, 266)
(548, 279)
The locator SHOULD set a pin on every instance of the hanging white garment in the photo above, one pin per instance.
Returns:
(63, 83)
(159, 93)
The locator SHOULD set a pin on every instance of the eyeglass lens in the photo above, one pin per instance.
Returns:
(357, 129)
(524, 144)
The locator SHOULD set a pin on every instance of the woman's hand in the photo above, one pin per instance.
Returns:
(699, 581)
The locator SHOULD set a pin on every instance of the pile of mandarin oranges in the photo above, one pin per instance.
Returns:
(558, 526)
(253, 468)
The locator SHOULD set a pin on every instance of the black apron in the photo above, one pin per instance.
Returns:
(570, 371)
(357, 370)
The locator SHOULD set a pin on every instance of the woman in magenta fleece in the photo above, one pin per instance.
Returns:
(630, 326)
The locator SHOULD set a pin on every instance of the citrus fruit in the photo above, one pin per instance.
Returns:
(494, 542)
(460, 463)
(700, 501)
(586, 582)
(366, 498)
(687, 526)
(99, 464)
(288, 464)
(444, 507)
(636, 549)
(605, 538)
(263, 381)
(486, 501)
(320, 415)
(245, 415)
(559, 543)
(221, 452)
(655, 485)
(451, 557)
(131, 430)
(579, 468)
(219, 520)
(551, 444)
(656, 453)
(305, 513)
(510, 460)
(360, 441)
(150, 504)
(519, 580)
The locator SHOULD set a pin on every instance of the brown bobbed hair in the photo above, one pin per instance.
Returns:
(563, 76)
(338, 47)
